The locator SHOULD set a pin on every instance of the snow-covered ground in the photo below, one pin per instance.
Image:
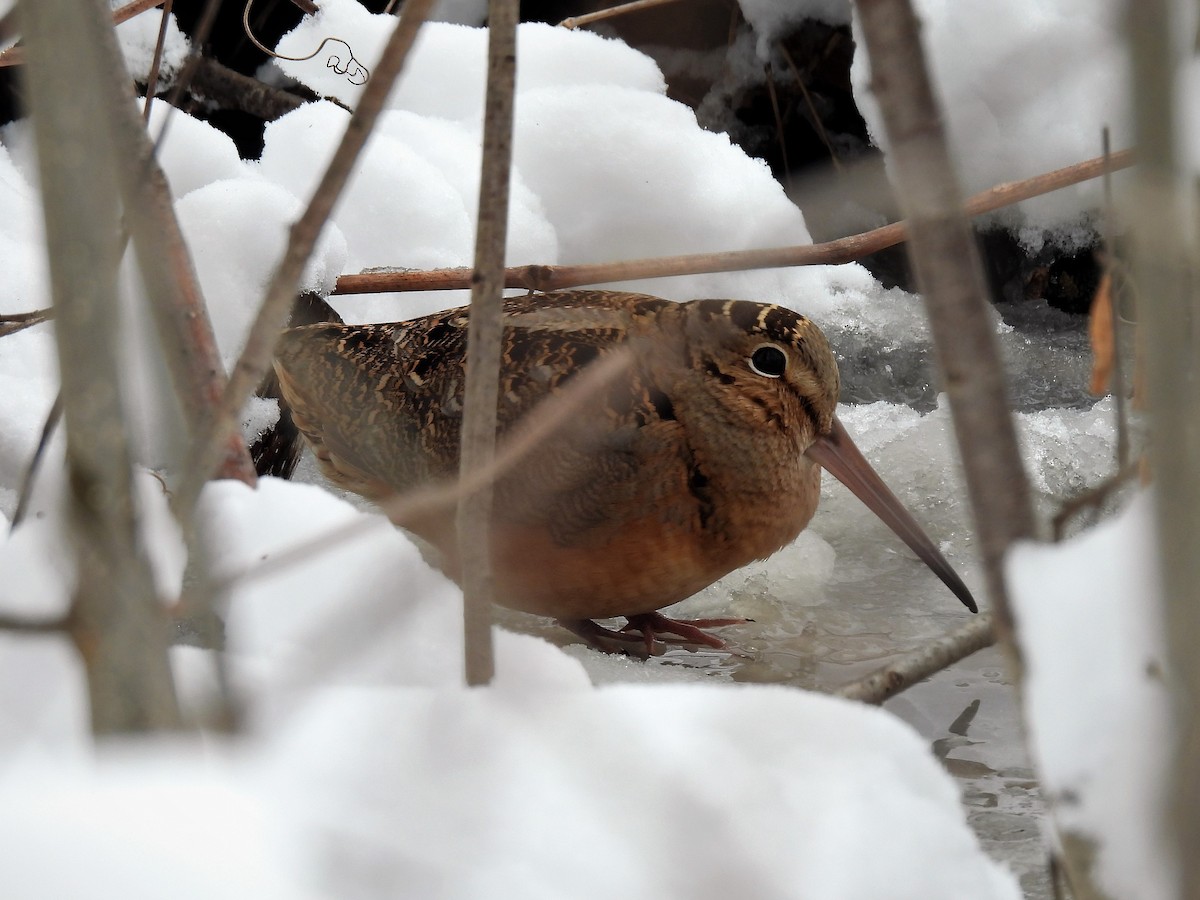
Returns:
(367, 769)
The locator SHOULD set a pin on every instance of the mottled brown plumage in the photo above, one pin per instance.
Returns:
(700, 456)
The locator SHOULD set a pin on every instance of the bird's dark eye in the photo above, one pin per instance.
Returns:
(768, 360)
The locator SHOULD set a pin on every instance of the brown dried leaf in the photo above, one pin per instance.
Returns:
(1100, 332)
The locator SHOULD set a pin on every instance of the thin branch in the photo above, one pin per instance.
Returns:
(918, 665)
(951, 282)
(1092, 498)
(485, 329)
(1166, 270)
(232, 90)
(52, 419)
(15, 322)
(25, 625)
(812, 108)
(177, 307)
(156, 62)
(836, 252)
(260, 341)
(15, 56)
(1117, 377)
(787, 169)
(611, 12)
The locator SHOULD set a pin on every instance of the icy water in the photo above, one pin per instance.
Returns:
(848, 597)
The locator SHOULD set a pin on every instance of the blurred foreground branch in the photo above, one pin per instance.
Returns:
(951, 281)
(117, 623)
(478, 442)
(1165, 264)
(836, 252)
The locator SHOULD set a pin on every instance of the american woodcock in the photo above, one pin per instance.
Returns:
(701, 453)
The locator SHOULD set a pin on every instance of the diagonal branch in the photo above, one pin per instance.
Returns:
(117, 622)
(918, 665)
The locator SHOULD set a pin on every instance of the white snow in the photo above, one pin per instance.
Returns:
(367, 769)
(1097, 705)
(138, 38)
(1026, 87)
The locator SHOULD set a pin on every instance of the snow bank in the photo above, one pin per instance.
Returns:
(1097, 706)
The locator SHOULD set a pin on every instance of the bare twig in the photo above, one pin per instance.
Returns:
(1116, 379)
(951, 280)
(611, 12)
(787, 169)
(918, 665)
(260, 341)
(485, 329)
(156, 62)
(52, 419)
(836, 252)
(15, 56)
(25, 625)
(177, 304)
(15, 322)
(117, 623)
(1092, 498)
(233, 90)
(812, 108)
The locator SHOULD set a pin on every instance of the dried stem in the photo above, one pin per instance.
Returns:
(1117, 376)
(836, 252)
(233, 90)
(787, 169)
(156, 62)
(1165, 270)
(948, 272)
(260, 341)
(177, 304)
(812, 108)
(612, 12)
(117, 622)
(15, 322)
(918, 665)
(486, 327)
(26, 494)
(24, 625)
(15, 56)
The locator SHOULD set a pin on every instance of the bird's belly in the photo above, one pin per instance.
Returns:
(644, 566)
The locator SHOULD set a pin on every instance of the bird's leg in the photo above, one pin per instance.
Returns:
(605, 639)
(655, 623)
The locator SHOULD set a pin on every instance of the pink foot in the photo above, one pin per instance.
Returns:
(645, 628)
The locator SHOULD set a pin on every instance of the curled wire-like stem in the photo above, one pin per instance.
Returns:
(356, 73)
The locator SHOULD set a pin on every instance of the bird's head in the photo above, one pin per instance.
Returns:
(773, 370)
